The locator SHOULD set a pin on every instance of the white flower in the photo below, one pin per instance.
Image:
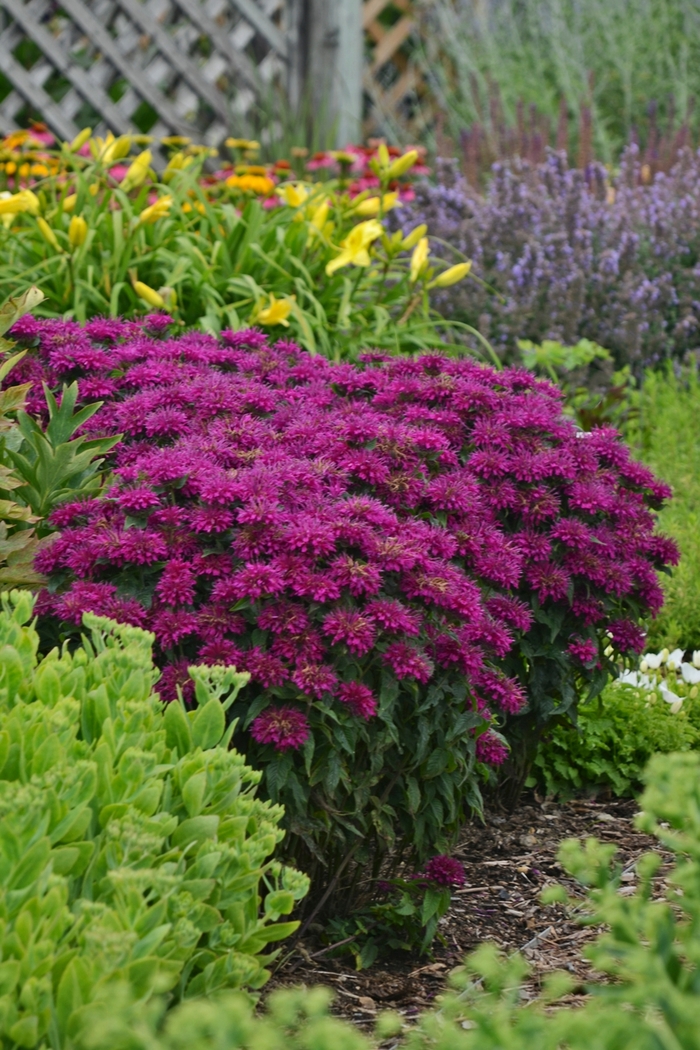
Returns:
(690, 674)
(668, 695)
(652, 660)
(675, 659)
(636, 678)
(696, 658)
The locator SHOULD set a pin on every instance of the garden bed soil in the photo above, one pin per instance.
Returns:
(509, 860)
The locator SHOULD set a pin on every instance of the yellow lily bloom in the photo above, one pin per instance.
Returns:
(25, 200)
(276, 312)
(156, 211)
(116, 150)
(137, 171)
(451, 275)
(373, 205)
(411, 239)
(77, 231)
(69, 202)
(6, 220)
(402, 164)
(258, 184)
(149, 295)
(419, 259)
(249, 144)
(355, 246)
(319, 218)
(48, 234)
(80, 139)
(293, 194)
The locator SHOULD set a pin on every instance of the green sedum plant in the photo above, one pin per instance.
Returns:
(650, 950)
(132, 846)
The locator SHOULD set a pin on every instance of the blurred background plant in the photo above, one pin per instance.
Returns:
(591, 70)
(666, 434)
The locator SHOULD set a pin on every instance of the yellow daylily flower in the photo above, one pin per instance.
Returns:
(77, 231)
(48, 234)
(149, 295)
(419, 259)
(176, 140)
(249, 144)
(293, 194)
(258, 184)
(319, 218)
(355, 246)
(383, 155)
(80, 140)
(451, 275)
(411, 239)
(25, 200)
(373, 205)
(156, 211)
(6, 220)
(137, 171)
(402, 164)
(276, 312)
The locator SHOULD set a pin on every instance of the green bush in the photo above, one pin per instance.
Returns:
(132, 846)
(650, 950)
(667, 433)
(616, 735)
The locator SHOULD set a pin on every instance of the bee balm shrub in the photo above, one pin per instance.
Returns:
(404, 554)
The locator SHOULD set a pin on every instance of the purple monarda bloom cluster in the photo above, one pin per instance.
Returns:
(330, 528)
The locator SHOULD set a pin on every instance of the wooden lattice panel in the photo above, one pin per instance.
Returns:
(390, 79)
(198, 65)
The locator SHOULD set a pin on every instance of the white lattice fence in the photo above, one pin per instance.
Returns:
(198, 65)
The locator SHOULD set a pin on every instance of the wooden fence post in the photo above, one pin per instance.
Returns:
(326, 46)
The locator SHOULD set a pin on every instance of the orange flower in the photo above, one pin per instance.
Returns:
(258, 184)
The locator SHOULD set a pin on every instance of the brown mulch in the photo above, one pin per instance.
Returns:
(509, 860)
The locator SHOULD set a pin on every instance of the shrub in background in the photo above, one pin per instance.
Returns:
(566, 255)
(649, 949)
(132, 847)
(615, 736)
(398, 552)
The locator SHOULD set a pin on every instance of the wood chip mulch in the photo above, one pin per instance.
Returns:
(509, 860)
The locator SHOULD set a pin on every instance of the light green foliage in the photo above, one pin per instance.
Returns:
(616, 735)
(650, 949)
(295, 1019)
(595, 394)
(18, 539)
(132, 846)
(667, 434)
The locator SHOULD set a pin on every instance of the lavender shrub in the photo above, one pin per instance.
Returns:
(567, 255)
